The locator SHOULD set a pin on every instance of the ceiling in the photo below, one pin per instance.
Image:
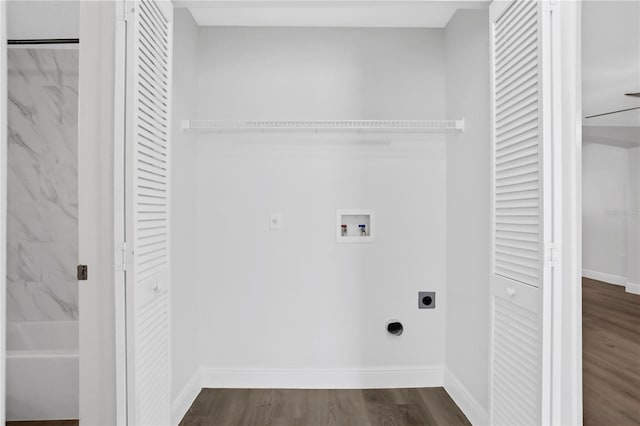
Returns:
(327, 13)
(621, 136)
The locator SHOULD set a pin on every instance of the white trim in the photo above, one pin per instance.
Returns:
(95, 226)
(470, 406)
(552, 16)
(632, 288)
(168, 12)
(181, 404)
(3, 205)
(119, 120)
(550, 91)
(496, 9)
(606, 278)
(294, 378)
(570, 404)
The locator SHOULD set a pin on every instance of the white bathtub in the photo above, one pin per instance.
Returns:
(42, 370)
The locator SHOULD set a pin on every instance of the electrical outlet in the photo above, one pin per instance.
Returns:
(426, 300)
(275, 222)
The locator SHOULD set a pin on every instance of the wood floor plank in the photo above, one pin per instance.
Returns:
(323, 407)
(45, 423)
(413, 408)
(611, 355)
(346, 408)
(443, 410)
(380, 407)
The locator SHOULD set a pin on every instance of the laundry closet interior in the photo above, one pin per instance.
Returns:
(288, 123)
(296, 195)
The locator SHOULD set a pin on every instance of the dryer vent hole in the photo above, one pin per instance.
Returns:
(395, 328)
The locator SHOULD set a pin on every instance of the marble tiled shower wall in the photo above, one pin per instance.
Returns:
(42, 221)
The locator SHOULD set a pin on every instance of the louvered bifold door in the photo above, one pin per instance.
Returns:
(148, 86)
(519, 271)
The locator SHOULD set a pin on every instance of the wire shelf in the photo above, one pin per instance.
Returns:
(415, 126)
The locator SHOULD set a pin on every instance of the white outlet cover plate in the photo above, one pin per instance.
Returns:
(275, 221)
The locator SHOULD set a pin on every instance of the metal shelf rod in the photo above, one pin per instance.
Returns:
(415, 126)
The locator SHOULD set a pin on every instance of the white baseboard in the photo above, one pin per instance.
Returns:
(607, 278)
(185, 398)
(632, 288)
(471, 408)
(429, 376)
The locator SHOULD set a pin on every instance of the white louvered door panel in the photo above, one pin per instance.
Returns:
(149, 39)
(517, 146)
(521, 221)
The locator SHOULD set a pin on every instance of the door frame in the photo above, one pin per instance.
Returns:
(98, 392)
(567, 298)
(569, 356)
(119, 209)
(3, 206)
(94, 166)
(96, 370)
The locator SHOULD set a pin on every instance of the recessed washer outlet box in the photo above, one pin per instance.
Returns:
(355, 226)
(426, 300)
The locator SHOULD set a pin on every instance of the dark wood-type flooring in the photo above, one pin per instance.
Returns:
(45, 423)
(611, 355)
(291, 407)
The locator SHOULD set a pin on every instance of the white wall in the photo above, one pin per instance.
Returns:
(610, 60)
(605, 174)
(294, 298)
(184, 295)
(95, 195)
(320, 73)
(468, 193)
(43, 19)
(633, 222)
(3, 206)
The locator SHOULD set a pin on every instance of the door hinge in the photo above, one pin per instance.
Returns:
(122, 11)
(550, 6)
(552, 254)
(129, 9)
(82, 273)
(121, 257)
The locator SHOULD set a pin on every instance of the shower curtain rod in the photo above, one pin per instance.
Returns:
(44, 41)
